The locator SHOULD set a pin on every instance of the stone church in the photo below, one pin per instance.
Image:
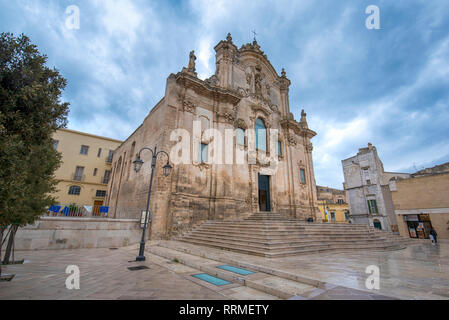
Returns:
(246, 97)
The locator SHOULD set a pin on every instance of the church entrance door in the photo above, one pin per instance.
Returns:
(264, 193)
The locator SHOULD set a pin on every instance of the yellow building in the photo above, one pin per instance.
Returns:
(332, 204)
(422, 203)
(86, 167)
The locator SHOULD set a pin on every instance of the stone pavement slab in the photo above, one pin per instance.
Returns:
(104, 274)
(421, 271)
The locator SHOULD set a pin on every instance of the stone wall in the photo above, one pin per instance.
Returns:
(75, 233)
(427, 194)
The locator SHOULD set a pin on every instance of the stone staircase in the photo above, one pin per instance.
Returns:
(271, 235)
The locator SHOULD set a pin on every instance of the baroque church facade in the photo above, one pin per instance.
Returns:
(246, 97)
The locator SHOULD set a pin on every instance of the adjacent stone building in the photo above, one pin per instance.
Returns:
(332, 204)
(240, 112)
(367, 188)
(422, 203)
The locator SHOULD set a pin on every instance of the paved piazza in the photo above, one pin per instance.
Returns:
(104, 274)
(419, 272)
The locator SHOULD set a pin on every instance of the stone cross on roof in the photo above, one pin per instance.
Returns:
(255, 34)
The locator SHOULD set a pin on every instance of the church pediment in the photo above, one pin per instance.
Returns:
(251, 57)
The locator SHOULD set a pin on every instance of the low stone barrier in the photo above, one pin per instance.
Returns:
(74, 233)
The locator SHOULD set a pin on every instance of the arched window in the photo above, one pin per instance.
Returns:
(261, 135)
(75, 190)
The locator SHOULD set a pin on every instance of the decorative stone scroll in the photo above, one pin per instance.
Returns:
(227, 117)
(292, 141)
(188, 106)
(240, 123)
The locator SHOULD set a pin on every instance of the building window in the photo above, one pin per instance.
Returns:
(340, 201)
(75, 190)
(95, 172)
(101, 193)
(84, 150)
(78, 176)
(372, 206)
(261, 135)
(279, 148)
(241, 136)
(107, 175)
(368, 182)
(55, 144)
(303, 175)
(110, 155)
(99, 153)
(203, 153)
(332, 216)
(346, 215)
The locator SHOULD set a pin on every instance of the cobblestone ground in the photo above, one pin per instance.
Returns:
(104, 274)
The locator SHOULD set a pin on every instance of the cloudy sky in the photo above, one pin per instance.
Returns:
(387, 86)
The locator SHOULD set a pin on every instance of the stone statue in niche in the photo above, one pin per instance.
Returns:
(192, 59)
(258, 80)
(268, 91)
(249, 78)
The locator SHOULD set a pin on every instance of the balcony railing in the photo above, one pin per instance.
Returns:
(72, 210)
(90, 211)
(109, 159)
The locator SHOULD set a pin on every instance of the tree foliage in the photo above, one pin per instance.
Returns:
(30, 112)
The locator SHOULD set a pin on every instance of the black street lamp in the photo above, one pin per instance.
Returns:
(137, 166)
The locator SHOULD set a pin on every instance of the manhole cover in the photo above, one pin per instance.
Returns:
(138, 268)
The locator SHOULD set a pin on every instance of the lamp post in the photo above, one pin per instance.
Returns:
(137, 166)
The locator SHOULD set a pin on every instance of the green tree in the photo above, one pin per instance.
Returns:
(30, 112)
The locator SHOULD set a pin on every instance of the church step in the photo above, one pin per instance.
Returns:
(253, 251)
(271, 244)
(282, 286)
(258, 245)
(287, 252)
(284, 223)
(273, 236)
(283, 246)
(265, 237)
(292, 235)
(287, 234)
(281, 231)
